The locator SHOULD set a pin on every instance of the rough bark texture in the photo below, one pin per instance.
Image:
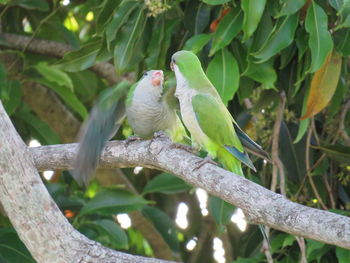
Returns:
(38, 221)
(259, 204)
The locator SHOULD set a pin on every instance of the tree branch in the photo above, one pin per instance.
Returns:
(55, 49)
(38, 221)
(260, 205)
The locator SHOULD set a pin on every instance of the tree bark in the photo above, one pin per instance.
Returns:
(38, 221)
(260, 205)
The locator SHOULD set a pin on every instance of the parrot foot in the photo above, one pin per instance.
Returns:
(159, 134)
(187, 148)
(205, 160)
(132, 138)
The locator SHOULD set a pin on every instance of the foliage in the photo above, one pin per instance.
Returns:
(252, 50)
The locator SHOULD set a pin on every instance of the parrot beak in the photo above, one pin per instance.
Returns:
(157, 78)
(172, 65)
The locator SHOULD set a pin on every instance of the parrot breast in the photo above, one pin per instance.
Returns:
(148, 114)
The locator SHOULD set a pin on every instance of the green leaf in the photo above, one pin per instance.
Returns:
(114, 231)
(290, 7)
(11, 247)
(338, 153)
(303, 124)
(125, 46)
(67, 96)
(105, 14)
(263, 73)
(288, 241)
(215, 2)
(197, 42)
(164, 224)
(315, 250)
(38, 125)
(227, 29)
(223, 72)
(153, 49)
(119, 19)
(112, 201)
(41, 5)
(342, 41)
(220, 210)
(320, 40)
(197, 16)
(253, 10)
(82, 58)
(11, 94)
(343, 255)
(54, 74)
(167, 184)
(281, 37)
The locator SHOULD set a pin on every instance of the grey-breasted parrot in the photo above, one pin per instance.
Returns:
(147, 108)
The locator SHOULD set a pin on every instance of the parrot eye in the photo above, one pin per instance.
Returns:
(145, 74)
(174, 61)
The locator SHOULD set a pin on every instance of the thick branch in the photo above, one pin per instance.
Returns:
(38, 221)
(55, 49)
(260, 205)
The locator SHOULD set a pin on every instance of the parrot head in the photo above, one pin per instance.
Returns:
(155, 77)
(185, 61)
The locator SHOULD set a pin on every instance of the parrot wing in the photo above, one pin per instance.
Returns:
(216, 122)
(104, 121)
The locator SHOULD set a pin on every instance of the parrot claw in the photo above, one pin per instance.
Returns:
(132, 138)
(205, 160)
(159, 134)
(187, 148)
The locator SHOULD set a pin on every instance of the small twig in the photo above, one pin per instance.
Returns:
(266, 247)
(277, 164)
(301, 243)
(307, 160)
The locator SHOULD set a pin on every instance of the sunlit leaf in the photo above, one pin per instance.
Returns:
(112, 201)
(223, 72)
(167, 184)
(281, 37)
(253, 10)
(227, 29)
(323, 85)
(320, 40)
(197, 42)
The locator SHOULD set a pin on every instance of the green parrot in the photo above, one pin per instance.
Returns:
(147, 109)
(207, 119)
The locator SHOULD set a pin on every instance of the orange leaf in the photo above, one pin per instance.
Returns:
(215, 23)
(323, 85)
